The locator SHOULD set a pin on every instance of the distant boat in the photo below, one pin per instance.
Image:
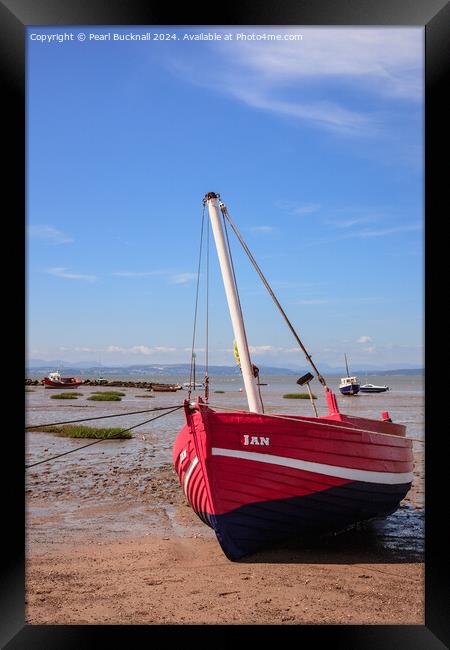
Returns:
(165, 388)
(349, 385)
(196, 384)
(370, 388)
(101, 379)
(192, 383)
(54, 380)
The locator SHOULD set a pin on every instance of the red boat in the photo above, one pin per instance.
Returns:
(260, 479)
(54, 380)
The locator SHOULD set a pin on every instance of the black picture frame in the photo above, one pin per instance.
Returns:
(15, 16)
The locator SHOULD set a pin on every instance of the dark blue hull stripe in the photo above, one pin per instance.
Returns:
(350, 390)
(260, 525)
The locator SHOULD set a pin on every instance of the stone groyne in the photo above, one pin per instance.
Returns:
(95, 382)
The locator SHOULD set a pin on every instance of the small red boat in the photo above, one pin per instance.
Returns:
(54, 380)
(259, 479)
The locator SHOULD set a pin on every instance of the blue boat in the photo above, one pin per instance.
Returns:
(349, 385)
(370, 388)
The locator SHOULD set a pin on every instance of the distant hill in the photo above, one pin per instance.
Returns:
(40, 366)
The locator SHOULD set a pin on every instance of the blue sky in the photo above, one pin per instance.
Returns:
(316, 147)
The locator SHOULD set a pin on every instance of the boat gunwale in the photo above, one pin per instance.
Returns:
(351, 428)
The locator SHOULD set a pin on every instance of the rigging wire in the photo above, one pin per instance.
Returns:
(71, 451)
(226, 216)
(196, 304)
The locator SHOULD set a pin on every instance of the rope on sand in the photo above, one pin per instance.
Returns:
(102, 439)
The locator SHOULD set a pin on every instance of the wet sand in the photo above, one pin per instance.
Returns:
(86, 564)
(111, 539)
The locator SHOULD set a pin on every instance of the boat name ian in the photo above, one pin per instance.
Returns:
(255, 440)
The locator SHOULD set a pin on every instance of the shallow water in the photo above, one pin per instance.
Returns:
(64, 492)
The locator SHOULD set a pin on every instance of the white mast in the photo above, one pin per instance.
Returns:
(253, 398)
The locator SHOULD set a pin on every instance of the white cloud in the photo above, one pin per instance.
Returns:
(315, 301)
(48, 234)
(307, 209)
(294, 208)
(183, 278)
(322, 113)
(138, 349)
(262, 229)
(286, 77)
(364, 339)
(61, 272)
(263, 349)
(347, 223)
(137, 274)
(383, 232)
(389, 60)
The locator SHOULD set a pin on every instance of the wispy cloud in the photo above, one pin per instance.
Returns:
(137, 274)
(364, 339)
(315, 301)
(61, 272)
(48, 234)
(183, 278)
(307, 209)
(262, 229)
(170, 276)
(383, 232)
(295, 208)
(352, 221)
(139, 349)
(366, 234)
(324, 114)
(327, 301)
(293, 78)
(388, 61)
(263, 349)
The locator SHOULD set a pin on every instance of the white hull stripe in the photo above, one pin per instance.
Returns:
(193, 464)
(389, 478)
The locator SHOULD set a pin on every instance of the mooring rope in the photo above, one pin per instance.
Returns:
(71, 451)
(101, 417)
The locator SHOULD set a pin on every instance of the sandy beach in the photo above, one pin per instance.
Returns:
(111, 538)
(84, 566)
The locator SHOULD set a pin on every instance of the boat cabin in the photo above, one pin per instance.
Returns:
(349, 381)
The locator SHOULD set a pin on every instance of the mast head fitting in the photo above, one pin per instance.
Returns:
(211, 195)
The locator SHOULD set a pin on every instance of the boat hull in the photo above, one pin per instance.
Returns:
(374, 389)
(48, 383)
(314, 475)
(351, 389)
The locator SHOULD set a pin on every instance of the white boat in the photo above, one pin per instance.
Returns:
(194, 384)
(371, 388)
(349, 385)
